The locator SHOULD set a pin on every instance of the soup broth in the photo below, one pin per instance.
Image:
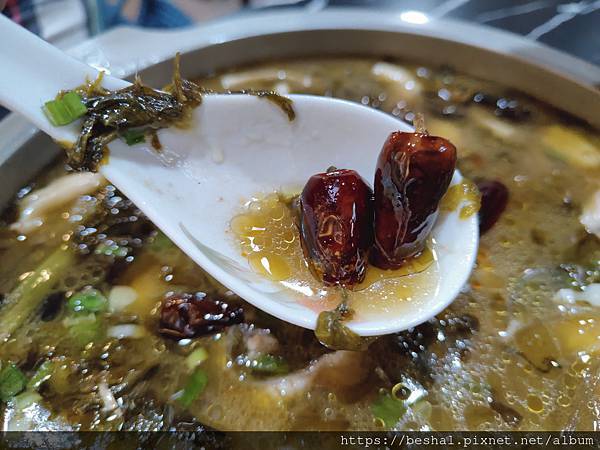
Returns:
(83, 281)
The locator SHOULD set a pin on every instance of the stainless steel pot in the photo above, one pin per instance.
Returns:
(557, 78)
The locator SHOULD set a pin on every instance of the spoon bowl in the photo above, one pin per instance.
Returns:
(241, 146)
(238, 146)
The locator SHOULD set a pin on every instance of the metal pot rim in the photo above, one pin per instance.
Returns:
(120, 48)
(124, 51)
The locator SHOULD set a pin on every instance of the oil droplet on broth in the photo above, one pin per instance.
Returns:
(269, 238)
(535, 404)
(563, 401)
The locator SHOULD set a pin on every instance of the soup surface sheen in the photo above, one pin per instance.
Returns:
(84, 275)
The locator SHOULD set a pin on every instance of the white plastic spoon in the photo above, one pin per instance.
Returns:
(238, 146)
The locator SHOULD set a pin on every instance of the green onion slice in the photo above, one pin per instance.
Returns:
(111, 249)
(269, 364)
(196, 358)
(88, 301)
(42, 374)
(65, 110)
(194, 387)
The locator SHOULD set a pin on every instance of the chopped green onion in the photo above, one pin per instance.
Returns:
(88, 301)
(133, 137)
(75, 104)
(42, 374)
(196, 358)
(84, 328)
(194, 387)
(388, 409)
(111, 249)
(270, 364)
(65, 110)
(12, 381)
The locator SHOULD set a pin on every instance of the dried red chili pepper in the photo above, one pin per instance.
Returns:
(192, 315)
(494, 198)
(413, 173)
(336, 216)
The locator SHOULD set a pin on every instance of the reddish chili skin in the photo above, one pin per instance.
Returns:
(336, 226)
(413, 173)
(494, 197)
(191, 315)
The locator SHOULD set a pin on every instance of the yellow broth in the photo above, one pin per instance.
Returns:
(268, 237)
(506, 355)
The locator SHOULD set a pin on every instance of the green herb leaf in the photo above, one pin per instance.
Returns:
(133, 137)
(269, 364)
(12, 381)
(88, 301)
(388, 409)
(194, 387)
(65, 110)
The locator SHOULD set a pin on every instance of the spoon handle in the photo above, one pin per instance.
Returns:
(34, 71)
